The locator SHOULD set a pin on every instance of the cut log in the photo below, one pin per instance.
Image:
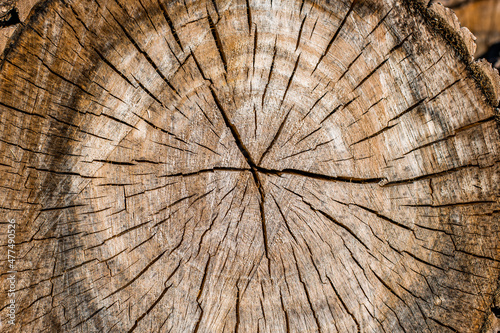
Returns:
(248, 166)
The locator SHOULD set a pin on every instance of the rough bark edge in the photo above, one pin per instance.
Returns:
(7, 10)
(444, 22)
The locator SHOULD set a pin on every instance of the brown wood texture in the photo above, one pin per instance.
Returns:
(249, 166)
(482, 17)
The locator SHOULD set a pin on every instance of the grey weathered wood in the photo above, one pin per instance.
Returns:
(249, 166)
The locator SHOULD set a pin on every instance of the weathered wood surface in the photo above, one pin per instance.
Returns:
(482, 17)
(249, 166)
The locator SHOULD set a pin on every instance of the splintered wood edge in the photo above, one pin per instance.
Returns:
(444, 22)
(440, 19)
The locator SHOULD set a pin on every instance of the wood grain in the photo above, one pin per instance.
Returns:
(249, 166)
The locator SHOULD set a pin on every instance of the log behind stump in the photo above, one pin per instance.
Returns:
(482, 17)
(249, 166)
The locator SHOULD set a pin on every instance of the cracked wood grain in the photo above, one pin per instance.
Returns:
(247, 166)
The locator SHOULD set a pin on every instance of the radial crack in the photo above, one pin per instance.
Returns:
(253, 168)
(218, 41)
(275, 136)
(335, 35)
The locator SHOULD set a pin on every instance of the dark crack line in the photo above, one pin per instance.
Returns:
(275, 136)
(269, 76)
(149, 309)
(308, 296)
(170, 24)
(145, 54)
(253, 169)
(285, 220)
(346, 309)
(249, 17)
(336, 34)
(338, 223)
(318, 176)
(315, 103)
(371, 73)
(135, 278)
(290, 81)
(218, 41)
(300, 32)
(264, 228)
(234, 131)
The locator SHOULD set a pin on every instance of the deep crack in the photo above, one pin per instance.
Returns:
(253, 168)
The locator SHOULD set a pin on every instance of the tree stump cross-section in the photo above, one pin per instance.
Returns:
(248, 166)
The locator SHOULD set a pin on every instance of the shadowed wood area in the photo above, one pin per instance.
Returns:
(249, 166)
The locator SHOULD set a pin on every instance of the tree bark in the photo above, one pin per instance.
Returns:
(248, 166)
(481, 17)
(12, 14)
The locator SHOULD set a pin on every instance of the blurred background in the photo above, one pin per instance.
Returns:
(482, 17)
